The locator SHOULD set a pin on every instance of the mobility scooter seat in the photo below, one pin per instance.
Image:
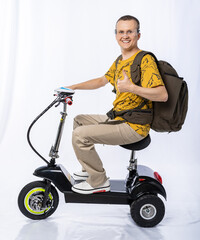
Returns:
(138, 145)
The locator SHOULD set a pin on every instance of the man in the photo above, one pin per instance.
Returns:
(93, 129)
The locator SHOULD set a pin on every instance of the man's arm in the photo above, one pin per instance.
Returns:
(157, 94)
(91, 84)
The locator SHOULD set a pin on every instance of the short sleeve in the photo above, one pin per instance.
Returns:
(150, 75)
(110, 75)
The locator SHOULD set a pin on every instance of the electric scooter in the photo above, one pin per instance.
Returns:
(141, 190)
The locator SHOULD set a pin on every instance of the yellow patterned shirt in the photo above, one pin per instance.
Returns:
(150, 77)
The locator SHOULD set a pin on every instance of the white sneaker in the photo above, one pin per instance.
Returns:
(80, 175)
(85, 188)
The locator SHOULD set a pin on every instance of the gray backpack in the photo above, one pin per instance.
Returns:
(165, 116)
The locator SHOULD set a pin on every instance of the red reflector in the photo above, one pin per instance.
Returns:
(141, 179)
(158, 177)
(100, 191)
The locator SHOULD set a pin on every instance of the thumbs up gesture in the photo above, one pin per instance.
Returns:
(124, 85)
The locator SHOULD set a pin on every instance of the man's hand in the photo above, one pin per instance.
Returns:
(124, 85)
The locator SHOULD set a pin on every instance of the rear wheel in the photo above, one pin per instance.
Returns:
(30, 200)
(148, 210)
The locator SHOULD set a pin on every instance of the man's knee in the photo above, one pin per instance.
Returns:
(79, 136)
(78, 121)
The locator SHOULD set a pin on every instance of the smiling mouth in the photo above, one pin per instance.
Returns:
(126, 41)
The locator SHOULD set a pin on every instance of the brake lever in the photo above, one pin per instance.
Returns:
(57, 104)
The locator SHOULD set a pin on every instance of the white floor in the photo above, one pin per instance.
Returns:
(98, 222)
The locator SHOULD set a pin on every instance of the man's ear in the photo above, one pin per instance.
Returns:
(139, 35)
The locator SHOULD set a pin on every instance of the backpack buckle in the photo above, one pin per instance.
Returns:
(111, 114)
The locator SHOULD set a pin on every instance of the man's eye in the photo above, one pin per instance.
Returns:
(129, 31)
(121, 32)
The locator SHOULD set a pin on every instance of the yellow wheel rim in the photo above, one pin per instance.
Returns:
(27, 200)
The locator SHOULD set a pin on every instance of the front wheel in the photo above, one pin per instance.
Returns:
(148, 210)
(30, 200)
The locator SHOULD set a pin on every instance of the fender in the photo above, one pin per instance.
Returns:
(56, 174)
(145, 185)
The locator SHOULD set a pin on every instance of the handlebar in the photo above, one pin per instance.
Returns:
(64, 95)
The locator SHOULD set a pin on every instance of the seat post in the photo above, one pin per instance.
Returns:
(135, 146)
(132, 161)
(132, 155)
(132, 169)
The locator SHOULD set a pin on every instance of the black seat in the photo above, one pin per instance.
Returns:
(138, 145)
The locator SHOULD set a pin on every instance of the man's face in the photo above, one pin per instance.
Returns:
(127, 35)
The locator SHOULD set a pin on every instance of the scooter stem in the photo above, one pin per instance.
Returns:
(54, 149)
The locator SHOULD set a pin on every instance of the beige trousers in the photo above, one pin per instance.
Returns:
(87, 132)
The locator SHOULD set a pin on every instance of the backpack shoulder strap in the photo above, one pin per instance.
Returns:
(135, 67)
(117, 60)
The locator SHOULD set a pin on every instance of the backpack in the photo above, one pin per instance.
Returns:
(166, 116)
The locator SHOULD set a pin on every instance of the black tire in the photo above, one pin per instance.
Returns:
(30, 200)
(148, 210)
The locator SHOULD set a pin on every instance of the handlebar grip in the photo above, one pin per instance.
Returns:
(68, 101)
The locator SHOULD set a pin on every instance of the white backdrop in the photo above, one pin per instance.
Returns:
(46, 44)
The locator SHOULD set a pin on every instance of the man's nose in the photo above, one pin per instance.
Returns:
(125, 35)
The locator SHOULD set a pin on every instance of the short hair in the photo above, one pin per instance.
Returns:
(128, 18)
